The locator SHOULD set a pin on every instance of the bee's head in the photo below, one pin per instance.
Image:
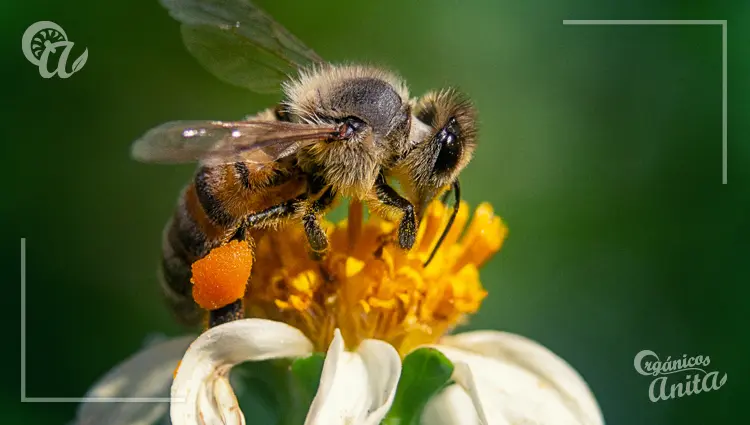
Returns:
(443, 138)
(372, 111)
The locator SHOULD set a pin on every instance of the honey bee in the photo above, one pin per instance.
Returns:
(341, 130)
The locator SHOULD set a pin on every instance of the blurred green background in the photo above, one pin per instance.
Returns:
(600, 147)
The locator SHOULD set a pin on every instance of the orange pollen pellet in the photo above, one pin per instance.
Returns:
(220, 278)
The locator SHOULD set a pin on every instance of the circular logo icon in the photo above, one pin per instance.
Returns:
(43, 38)
(39, 37)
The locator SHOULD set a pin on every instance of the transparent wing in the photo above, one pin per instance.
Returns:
(219, 142)
(239, 43)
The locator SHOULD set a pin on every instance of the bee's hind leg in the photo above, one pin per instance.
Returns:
(226, 314)
(236, 310)
(315, 234)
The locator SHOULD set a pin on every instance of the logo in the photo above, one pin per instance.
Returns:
(677, 378)
(42, 42)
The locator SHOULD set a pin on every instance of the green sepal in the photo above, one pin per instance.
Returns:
(425, 372)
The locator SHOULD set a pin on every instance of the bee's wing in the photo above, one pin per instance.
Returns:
(239, 43)
(219, 142)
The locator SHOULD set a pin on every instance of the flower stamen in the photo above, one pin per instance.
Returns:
(369, 288)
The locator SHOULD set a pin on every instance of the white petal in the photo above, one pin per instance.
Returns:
(452, 406)
(464, 377)
(538, 360)
(146, 374)
(514, 379)
(202, 381)
(356, 388)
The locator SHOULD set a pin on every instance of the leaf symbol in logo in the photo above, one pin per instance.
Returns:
(78, 64)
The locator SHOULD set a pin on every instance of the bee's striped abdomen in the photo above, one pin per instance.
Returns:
(210, 212)
(189, 236)
(175, 280)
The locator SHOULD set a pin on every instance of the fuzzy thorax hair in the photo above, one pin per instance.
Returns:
(326, 94)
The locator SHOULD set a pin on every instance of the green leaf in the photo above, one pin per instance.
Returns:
(80, 62)
(425, 372)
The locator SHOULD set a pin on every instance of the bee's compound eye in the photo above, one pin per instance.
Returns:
(450, 147)
(350, 126)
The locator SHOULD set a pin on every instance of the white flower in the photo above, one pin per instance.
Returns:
(386, 303)
(500, 379)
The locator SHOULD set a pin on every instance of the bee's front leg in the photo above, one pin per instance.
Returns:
(387, 197)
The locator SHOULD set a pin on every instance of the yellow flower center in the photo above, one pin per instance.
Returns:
(367, 286)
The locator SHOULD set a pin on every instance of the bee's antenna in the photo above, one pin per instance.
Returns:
(444, 198)
(456, 189)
